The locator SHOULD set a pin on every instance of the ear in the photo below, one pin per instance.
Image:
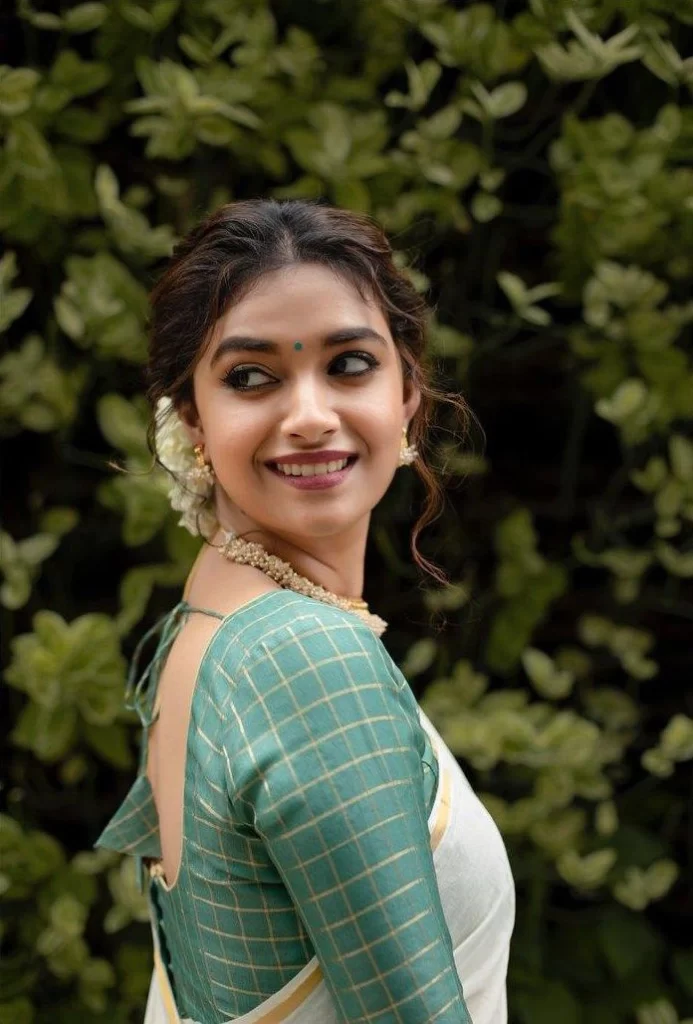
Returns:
(191, 423)
(412, 399)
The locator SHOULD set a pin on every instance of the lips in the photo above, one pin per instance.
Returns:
(312, 480)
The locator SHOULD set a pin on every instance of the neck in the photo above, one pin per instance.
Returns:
(335, 562)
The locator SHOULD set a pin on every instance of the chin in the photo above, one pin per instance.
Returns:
(328, 527)
(319, 524)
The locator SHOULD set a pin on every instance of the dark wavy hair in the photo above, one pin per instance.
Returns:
(220, 260)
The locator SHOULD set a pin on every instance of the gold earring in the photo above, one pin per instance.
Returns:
(407, 453)
(204, 470)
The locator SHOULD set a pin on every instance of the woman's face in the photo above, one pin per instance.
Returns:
(302, 376)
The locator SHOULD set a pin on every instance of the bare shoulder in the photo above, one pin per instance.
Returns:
(222, 586)
(216, 586)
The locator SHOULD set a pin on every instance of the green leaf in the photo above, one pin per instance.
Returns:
(492, 178)
(39, 19)
(36, 549)
(79, 77)
(547, 680)
(68, 318)
(652, 477)
(48, 733)
(29, 152)
(85, 17)
(638, 887)
(135, 590)
(142, 502)
(659, 1011)
(106, 186)
(676, 741)
(130, 228)
(56, 666)
(475, 39)
(199, 50)
(442, 125)
(513, 287)
(505, 100)
(16, 89)
(214, 130)
(419, 657)
(628, 398)
(163, 12)
(59, 521)
(19, 562)
(536, 315)
(544, 291)
(17, 1011)
(422, 80)
(586, 872)
(81, 125)
(35, 391)
(353, 195)
(485, 207)
(681, 458)
(13, 301)
(628, 942)
(137, 16)
(124, 424)
(101, 305)
(12, 306)
(110, 742)
(547, 1003)
(129, 902)
(682, 965)
(448, 598)
(588, 56)
(15, 590)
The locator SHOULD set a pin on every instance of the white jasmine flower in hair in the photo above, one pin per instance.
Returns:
(190, 487)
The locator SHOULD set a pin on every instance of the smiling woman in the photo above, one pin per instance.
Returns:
(313, 851)
(260, 405)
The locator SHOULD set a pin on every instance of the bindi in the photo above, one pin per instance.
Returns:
(298, 346)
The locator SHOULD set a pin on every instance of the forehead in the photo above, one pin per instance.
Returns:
(305, 297)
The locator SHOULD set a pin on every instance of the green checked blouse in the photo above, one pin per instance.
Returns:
(308, 785)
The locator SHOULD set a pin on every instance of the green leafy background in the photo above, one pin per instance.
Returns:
(531, 162)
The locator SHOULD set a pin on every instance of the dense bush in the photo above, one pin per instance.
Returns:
(532, 164)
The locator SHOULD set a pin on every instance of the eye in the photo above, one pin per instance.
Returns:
(365, 359)
(244, 378)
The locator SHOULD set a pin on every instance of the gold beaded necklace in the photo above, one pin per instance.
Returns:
(246, 552)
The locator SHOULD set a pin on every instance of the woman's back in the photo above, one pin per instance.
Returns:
(211, 585)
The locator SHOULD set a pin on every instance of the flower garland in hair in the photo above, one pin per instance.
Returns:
(191, 486)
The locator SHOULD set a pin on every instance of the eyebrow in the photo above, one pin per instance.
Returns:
(243, 343)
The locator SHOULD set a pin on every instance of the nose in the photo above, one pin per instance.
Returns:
(310, 414)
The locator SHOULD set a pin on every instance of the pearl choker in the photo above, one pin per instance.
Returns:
(247, 552)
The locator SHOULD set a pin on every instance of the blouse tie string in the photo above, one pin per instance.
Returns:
(140, 694)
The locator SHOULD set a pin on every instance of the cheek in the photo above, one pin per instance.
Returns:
(382, 407)
(241, 430)
(384, 416)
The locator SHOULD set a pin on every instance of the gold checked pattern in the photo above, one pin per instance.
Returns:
(309, 784)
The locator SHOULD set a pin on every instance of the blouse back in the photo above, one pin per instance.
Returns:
(308, 784)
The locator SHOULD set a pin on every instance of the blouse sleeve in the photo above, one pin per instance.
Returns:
(324, 763)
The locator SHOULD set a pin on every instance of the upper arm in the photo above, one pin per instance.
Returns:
(324, 763)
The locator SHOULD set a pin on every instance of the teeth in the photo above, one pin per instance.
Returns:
(312, 469)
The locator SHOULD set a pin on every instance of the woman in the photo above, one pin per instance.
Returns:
(313, 852)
